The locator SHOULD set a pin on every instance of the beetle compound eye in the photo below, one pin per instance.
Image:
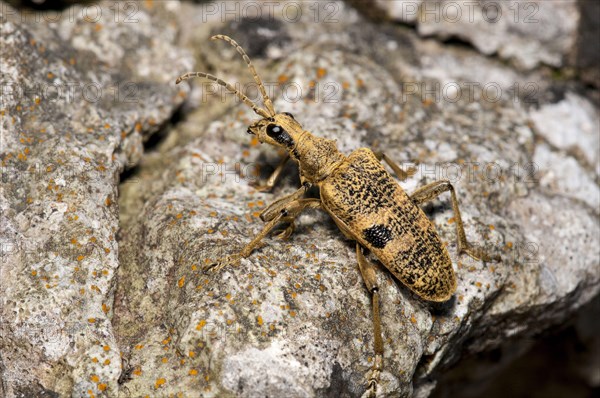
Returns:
(289, 114)
(280, 135)
(275, 131)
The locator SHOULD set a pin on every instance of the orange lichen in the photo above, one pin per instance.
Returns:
(159, 382)
(201, 324)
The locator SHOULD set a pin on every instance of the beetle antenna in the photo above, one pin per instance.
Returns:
(240, 50)
(229, 87)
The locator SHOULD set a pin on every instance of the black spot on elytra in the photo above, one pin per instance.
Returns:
(378, 235)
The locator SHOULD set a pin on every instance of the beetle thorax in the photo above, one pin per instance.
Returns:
(317, 157)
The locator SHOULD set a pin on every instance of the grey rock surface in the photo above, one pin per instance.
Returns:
(79, 97)
(529, 33)
(293, 319)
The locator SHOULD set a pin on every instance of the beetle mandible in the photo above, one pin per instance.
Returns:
(365, 202)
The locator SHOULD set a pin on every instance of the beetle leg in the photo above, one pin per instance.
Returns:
(276, 207)
(288, 212)
(367, 270)
(431, 191)
(272, 180)
(401, 174)
(289, 230)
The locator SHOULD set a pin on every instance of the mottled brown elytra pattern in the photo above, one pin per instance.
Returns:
(366, 203)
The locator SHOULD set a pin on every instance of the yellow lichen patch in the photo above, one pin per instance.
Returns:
(201, 324)
(193, 372)
(102, 386)
(137, 371)
(181, 281)
(413, 319)
(95, 378)
(139, 346)
(192, 354)
(159, 382)
(259, 320)
(33, 273)
(95, 360)
(164, 360)
(106, 348)
(107, 201)
(321, 72)
(282, 78)
(292, 313)
(107, 362)
(105, 308)
(451, 220)
(92, 320)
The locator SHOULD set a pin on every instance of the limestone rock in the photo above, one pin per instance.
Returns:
(293, 319)
(79, 98)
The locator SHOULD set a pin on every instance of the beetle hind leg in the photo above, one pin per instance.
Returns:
(433, 190)
(367, 270)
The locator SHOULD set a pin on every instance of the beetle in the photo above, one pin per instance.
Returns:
(365, 202)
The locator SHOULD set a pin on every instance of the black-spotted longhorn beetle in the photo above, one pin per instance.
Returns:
(365, 202)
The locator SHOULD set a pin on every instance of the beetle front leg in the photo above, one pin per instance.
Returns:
(433, 190)
(367, 270)
(272, 180)
(288, 213)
